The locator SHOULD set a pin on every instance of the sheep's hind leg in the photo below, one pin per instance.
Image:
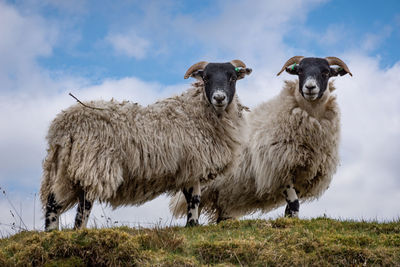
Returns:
(52, 213)
(293, 205)
(83, 211)
(192, 196)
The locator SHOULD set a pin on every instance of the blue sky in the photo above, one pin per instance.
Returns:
(140, 50)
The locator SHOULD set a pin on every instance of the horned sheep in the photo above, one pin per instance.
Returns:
(122, 153)
(290, 150)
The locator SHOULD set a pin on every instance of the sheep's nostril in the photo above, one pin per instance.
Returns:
(310, 87)
(219, 98)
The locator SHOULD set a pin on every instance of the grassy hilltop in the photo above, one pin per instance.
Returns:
(316, 242)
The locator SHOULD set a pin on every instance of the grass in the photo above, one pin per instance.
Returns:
(280, 242)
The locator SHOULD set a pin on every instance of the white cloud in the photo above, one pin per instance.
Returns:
(129, 44)
(23, 39)
(29, 35)
(371, 130)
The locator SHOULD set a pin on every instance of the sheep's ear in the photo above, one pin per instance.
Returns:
(335, 71)
(198, 75)
(242, 72)
(293, 69)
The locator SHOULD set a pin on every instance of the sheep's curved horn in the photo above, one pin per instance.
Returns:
(291, 61)
(238, 63)
(194, 67)
(339, 62)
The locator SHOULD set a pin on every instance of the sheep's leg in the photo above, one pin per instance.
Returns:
(293, 205)
(83, 211)
(188, 193)
(222, 216)
(52, 213)
(192, 196)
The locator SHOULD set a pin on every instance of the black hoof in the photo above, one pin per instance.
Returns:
(192, 223)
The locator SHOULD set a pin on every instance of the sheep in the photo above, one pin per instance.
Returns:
(290, 150)
(122, 153)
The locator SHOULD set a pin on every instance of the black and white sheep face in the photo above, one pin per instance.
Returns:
(219, 81)
(314, 74)
(220, 84)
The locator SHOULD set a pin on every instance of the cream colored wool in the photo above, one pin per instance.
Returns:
(287, 137)
(129, 154)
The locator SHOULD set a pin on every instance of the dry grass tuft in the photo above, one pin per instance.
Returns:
(316, 242)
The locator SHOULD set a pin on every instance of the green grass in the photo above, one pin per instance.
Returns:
(280, 242)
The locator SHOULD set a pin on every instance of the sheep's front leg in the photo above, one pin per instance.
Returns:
(52, 213)
(192, 196)
(293, 205)
(83, 211)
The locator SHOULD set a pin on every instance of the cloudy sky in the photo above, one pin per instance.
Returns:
(140, 50)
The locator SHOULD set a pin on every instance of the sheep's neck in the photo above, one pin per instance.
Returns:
(314, 108)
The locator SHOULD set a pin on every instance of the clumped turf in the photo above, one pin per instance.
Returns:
(280, 242)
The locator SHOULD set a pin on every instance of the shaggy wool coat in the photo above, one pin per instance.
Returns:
(122, 153)
(286, 138)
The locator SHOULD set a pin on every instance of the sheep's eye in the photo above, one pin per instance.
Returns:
(300, 72)
(325, 73)
(233, 78)
(205, 80)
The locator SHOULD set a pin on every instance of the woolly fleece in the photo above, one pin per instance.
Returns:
(129, 154)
